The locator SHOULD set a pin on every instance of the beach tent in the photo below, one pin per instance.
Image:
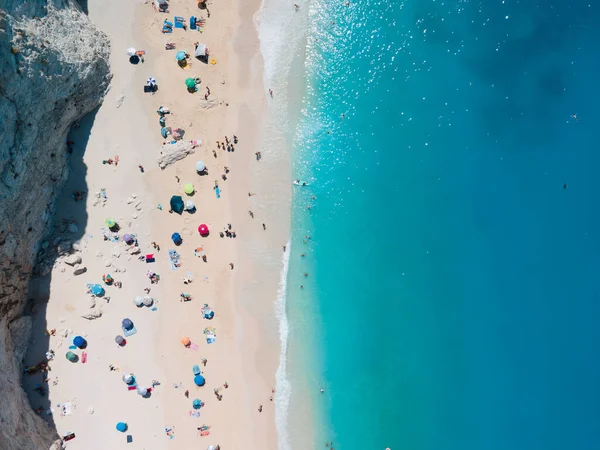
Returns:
(72, 357)
(200, 166)
(127, 324)
(128, 378)
(190, 83)
(122, 427)
(177, 204)
(138, 300)
(186, 341)
(96, 289)
(180, 55)
(79, 342)
(196, 404)
(196, 370)
(188, 188)
(120, 340)
(203, 229)
(201, 51)
(199, 380)
(176, 238)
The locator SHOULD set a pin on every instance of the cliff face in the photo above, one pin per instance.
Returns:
(53, 70)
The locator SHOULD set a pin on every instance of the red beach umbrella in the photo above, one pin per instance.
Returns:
(203, 230)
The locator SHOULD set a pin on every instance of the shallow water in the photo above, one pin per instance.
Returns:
(450, 301)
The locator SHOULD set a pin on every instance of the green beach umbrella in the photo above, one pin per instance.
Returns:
(190, 83)
(110, 222)
(72, 356)
(188, 188)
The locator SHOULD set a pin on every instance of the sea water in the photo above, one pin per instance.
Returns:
(451, 250)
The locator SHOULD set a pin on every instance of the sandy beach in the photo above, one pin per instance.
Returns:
(239, 279)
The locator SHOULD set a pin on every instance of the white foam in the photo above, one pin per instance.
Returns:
(282, 383)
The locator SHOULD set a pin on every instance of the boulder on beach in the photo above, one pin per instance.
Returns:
(73, 259)
(80, 270)
(171, 153)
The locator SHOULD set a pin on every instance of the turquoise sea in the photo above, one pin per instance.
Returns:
(452, 299)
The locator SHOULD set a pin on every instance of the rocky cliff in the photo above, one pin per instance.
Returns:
(53, 70)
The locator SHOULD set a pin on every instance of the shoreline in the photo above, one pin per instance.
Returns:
(245, 355)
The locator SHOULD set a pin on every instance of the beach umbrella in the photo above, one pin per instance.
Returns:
(72, 357)
(177, 204)
(142, 390)
(186, 341)
(189, 205)
(208, 313)
(127, 324)
(130, 51)
(138, 300)
(188, 188)
(200, 51)
(127, 378)
(196, 370)
(151, 81)
(148, 300)
(176, 238)
(197, 404)
(190, 83)
(203, 229)
(122, 427)
(199, 380)
(97, 290)
(79, 342)
(110, 222)
(200, 166)
(128, 238)
(180, 55)
(120, 340)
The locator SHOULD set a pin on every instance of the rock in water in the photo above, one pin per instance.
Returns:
(171, 153)
(53, 71)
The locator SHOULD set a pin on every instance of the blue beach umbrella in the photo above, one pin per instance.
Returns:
(180, 55)
(79, 342)
(196, 369)
(199, 380)
(97, 290)
(176, 238)
(122, 427)
(197, 404)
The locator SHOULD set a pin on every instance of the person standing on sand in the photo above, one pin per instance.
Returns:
(264, 227)
(259, 408)
(251, 214)
(215, 154)
(271, 92)
(231, 265)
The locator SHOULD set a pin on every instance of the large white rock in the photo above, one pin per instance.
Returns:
(171, 153)
(73, 259)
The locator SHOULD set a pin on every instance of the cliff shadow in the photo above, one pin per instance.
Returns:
(68, 226)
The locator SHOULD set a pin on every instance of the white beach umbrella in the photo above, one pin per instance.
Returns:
(148, 300)
(138, 300)
(189, 205)
(130, 51)
(142, 390)
(200, 166)
(127, 378)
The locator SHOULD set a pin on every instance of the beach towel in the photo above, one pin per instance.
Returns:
(67, 409)
(194, 346)
(195, 413)
(174, 259)
(192, 23)
(179, 22)
(84, 357)
(150, 258)
(132, 388)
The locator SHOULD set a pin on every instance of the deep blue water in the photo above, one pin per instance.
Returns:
(454, 277)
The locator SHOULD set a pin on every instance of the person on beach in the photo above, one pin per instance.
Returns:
(251, 214)
(187, 394)
(231, 265)
(235, 139)
(251, 194)
(141, 168)
(204, 361)
(296, 6)
(264, 227)
(260, 408)
(271, 92)
(215, 154)
(284, 248)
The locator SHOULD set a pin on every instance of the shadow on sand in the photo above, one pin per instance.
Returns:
(37, 385)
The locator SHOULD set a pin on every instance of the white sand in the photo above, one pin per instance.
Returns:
(246, 352)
